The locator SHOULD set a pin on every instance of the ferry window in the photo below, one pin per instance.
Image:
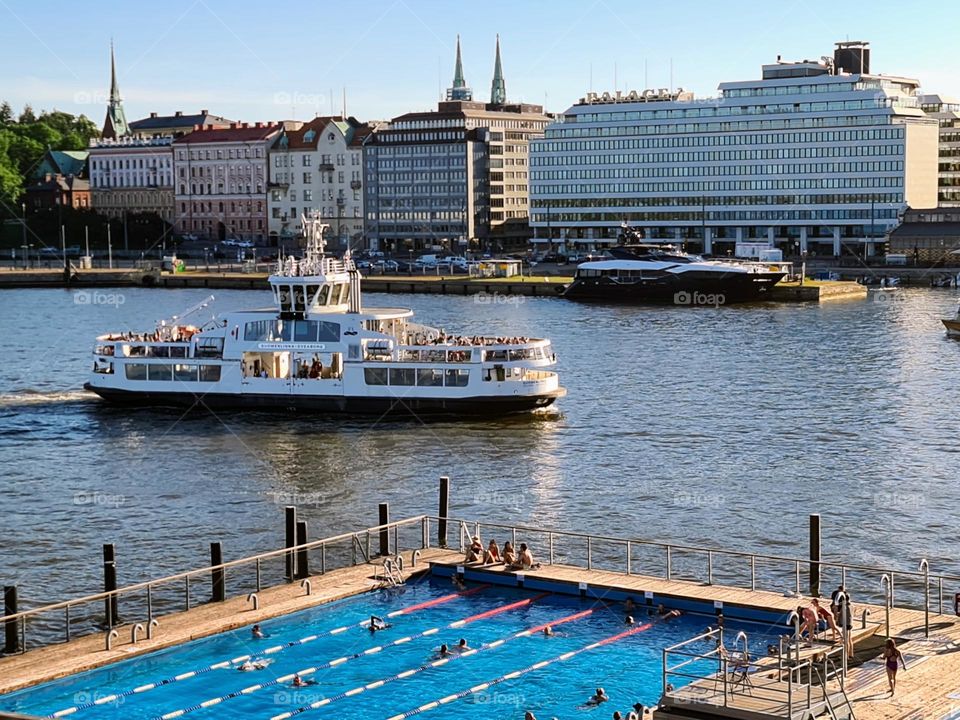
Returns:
(328, 331)
(353, 351)
(283, 330)
(312, 293)
(178, 352)
(159, 372)
(323, 295)
(402, 376)
(457, 378)
(185, 373)
(258, 330)
(305, 331)
(298, 298)
(209, 347)
(344, 290)
(136, 371)
(375, 376)
(209, 373)
(430, 378)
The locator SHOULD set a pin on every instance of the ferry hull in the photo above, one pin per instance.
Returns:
(333, 404)
(677, 290)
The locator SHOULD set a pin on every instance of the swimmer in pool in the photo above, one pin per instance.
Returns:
(251, 665)
(600, 696)
(300, 682)
(462, 646)
(377, 623)
(257, 633)
(443, 652)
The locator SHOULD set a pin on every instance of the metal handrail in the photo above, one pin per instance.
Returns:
(187, 575)
(792, 561)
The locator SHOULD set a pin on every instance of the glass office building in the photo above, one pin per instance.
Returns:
(816, 156)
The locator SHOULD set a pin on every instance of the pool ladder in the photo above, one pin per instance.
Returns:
(390, 574)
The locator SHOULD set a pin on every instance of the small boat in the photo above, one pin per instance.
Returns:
(952, 325)
(663, 273)
(318, 349)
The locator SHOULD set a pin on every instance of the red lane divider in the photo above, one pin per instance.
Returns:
(438, 601)
(503, 608)
(561, 621)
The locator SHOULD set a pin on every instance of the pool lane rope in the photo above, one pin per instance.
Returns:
(513, 675)
(269, 651)
(347, 658)
(443, 661)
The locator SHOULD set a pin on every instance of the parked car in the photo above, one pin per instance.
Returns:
(363, 264)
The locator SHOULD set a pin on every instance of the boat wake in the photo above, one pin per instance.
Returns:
(31, 396)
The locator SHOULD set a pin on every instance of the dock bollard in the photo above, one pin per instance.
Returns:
(290, 531)
(218, 589)
(384, 512)
(444, 511)
(11, 643)
(303, 555)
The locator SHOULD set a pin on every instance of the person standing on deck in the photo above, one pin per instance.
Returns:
(891, 656)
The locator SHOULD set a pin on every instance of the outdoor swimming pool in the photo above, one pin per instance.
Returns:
(516, 667)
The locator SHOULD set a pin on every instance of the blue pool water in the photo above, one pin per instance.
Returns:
(629, 668)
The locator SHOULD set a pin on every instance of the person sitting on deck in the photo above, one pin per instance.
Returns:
(509, 556)
(256, 632)
(492, 555)
(475, 551)
(524, 560)
(825, 616)
(377, 623)
(600, 696)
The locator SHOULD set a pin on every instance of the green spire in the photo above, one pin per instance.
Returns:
(115, 124)
(498, 90)
(459, 90)
(458, 81)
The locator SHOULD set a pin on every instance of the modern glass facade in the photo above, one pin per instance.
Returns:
(804, 158)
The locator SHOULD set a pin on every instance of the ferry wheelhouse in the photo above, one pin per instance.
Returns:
(318, 349)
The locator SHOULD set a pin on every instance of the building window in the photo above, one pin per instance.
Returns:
(308, 195)
(307, 159)
(307, 178)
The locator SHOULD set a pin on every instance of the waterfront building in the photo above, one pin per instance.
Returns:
(946, 110)
(132, 175)
(815, 156)
(316, 169)
(455, 177)
(115, 123)
(58, 190)
(220, 181)
(928, 236)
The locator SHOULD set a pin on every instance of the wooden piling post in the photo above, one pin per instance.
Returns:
(110, 604)
(290, 516)
(384, 531)
(303, 562)
(444, 511)
(815, 555)
(11, 643)
(217, 575)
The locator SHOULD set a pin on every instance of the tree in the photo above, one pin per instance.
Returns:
(27, 115)
(6, 113)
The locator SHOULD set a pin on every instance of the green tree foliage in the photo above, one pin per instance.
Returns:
(23, 141)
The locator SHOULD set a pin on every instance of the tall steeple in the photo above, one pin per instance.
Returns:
(498, 89)
(459, 90)
(115, 124)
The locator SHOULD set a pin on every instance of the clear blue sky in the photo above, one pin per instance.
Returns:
(278, 60)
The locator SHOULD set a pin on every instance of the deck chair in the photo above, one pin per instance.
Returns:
(740, 672)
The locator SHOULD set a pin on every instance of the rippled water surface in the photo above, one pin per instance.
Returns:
(722, 426)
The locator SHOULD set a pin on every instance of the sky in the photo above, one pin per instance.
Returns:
(279, 60)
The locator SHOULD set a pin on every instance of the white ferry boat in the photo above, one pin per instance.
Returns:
(319, 350)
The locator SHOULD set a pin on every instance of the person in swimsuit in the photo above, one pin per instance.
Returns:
(509, 555)
(256, 632)
(600, 696)
(492, 555)
(808, 623)
(377, 623)
(475, 551)
(827, 617)
(893, 658)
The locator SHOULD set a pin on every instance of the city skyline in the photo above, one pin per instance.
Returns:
(399, 56)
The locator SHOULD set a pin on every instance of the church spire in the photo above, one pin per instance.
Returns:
(115, 124)
(459, 90)
(498, 89)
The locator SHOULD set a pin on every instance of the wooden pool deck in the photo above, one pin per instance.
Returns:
(88, 652)
(929, 689)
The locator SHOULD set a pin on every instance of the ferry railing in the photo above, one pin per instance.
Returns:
(145, 600)
(755, 571)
